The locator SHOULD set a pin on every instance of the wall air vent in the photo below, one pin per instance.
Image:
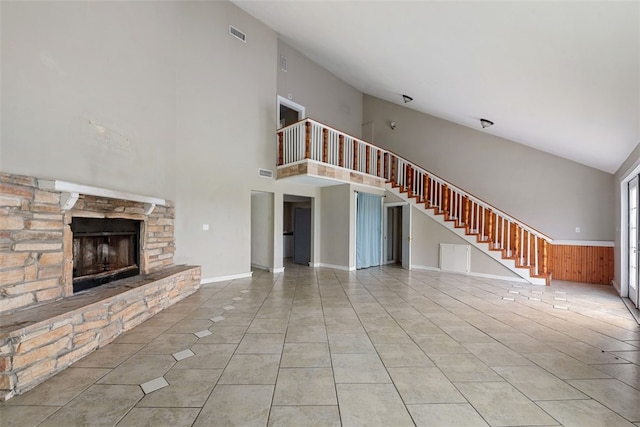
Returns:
(265, 173)
(237, 34)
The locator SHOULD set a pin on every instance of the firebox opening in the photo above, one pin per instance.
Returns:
(104, 250)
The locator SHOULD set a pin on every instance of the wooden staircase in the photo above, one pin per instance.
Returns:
(519, 247)
(463, 228)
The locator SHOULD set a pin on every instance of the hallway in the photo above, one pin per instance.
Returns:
(377, 347)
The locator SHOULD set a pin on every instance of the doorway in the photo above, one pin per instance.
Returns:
(397, 234)
(297, 229)
(368, 230)
(289, 112)
(393, 236)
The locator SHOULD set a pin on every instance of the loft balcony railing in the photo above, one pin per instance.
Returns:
(311, 140)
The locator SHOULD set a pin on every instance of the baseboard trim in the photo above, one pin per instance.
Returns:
(335, 267)
(260, 267)
(224, 278)
(603, 243)
(425, 267)
(497, 277)
(277, 270)
(471, 273)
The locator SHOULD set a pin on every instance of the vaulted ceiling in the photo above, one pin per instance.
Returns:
(559, 76)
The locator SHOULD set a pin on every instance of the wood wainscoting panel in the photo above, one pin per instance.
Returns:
(586, 264)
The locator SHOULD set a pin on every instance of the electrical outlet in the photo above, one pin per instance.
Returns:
(205, 227)
(577, 229)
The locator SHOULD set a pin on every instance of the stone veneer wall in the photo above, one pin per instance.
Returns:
(65, 331)
(313, 168)
(31, 252)
(36, 241)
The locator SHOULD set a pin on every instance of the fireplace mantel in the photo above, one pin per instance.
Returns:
(71, 191)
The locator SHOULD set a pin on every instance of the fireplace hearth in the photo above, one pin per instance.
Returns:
(104, 250)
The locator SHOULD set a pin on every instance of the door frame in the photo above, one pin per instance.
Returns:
(633, 294)
(624, 230)
(385, 230)
(290, 104)
(407, 231)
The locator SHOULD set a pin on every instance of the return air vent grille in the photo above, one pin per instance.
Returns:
(265, 173)
(237, 34)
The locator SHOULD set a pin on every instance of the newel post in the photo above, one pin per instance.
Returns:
(516, 241)
(307, 140)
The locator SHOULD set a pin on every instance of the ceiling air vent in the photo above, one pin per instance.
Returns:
(265, 173)
(237, 34)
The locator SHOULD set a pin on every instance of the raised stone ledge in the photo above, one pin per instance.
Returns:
(40, 341)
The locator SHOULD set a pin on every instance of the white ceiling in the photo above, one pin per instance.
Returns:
(560, 76)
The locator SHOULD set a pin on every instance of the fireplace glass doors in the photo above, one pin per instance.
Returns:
(104, 250)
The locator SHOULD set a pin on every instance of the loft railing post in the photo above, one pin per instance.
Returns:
(280, 148)
(367, 159)
(325, 145)
(393, 171)
(378, 164)
(355, 155)
(341, 149)
(307, 140)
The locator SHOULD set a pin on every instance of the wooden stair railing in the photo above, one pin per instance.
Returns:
(515, 240)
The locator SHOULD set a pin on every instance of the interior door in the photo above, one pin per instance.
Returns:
(633, 241)
(302, 236)
(406, 236)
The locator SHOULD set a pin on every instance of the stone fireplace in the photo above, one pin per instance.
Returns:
(79, 265)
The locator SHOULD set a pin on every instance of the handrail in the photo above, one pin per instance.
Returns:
(313, 140)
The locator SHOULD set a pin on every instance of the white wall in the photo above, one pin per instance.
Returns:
(326, 98)
(262, 230)
(153, 98)
(335, 226)
(225, 114)
(552, 194)
(88, 93)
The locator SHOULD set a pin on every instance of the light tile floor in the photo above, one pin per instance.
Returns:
(377, 347)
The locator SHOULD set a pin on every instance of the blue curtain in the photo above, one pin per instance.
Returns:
(368, 230)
